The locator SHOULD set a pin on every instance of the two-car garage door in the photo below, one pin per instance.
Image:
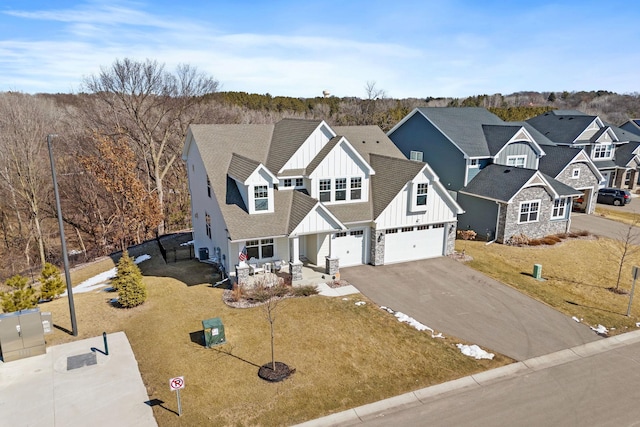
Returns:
(413, 243)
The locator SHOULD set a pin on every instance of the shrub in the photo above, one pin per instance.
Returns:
(305, 291)
(51, 284)
(128, 282)
(518, 240)
(22, 297)
(237, 292)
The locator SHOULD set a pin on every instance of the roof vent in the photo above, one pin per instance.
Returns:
(507, 170)
(363, 141)
(377, 142)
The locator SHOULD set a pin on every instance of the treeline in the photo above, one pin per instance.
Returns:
(117, 146)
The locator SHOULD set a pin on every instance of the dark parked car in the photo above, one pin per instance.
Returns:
(614, 196)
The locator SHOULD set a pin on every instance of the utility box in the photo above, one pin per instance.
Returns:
(21, 334)
(213, 332)
(537, 271)
(203, 254)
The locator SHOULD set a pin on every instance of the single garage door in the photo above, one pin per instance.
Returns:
(349, 247)
(412, 243)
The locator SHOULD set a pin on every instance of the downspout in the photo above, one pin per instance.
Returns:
(495, 237)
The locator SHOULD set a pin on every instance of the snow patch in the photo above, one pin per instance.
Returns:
(189, 243)
(601, 330)
(576, 319)
(412, 322)
(359, 303)
(99, 281)
(474, 351)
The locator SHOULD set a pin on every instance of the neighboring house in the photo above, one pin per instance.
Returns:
(301, 190)
(497, 171)
(600, 141)
(632, 125)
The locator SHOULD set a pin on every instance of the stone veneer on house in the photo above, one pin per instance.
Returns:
(586, 180)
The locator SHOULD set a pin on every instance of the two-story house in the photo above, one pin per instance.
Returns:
(496, 172)
(300, 190)
(601, 142)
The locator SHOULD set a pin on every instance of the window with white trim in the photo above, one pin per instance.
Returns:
(261, 197)
(415, 155)
(421, 194)
(207, 224)
(299, 182)
(341, 234)
(474, 163)
(559, 209)
(357, 232)
(422, 227)
(602, 151)
(356, 188)
(406, 229)
(437, 226)
(529, 211)
(341, 189)
(325, 190)
(258, 249)
(391, 231)
(517, 161)
(575, 173)
(287, 182)
(627, 177)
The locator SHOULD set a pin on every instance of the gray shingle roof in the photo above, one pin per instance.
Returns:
(497, 136)
(369, 139)
(313, 164)
(561, 128)
(557, 158)
(464, 126)
(497, 182)
(624, 153)
(391, 175)
(241, 167)
(288, 134)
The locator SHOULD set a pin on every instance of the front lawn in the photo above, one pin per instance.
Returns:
(345, 355)
(577, 274)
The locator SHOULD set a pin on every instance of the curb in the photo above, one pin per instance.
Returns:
(421, 397)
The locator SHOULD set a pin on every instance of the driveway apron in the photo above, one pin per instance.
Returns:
(456, 300)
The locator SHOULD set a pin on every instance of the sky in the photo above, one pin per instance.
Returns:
(448, 48)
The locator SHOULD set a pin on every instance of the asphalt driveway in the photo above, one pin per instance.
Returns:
(454, 299)
(604, 227)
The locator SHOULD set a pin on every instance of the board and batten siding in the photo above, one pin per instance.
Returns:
(309, 149)
(481, 215)
(518, 149)
(317, 221)
(341, 162)
(397, 213)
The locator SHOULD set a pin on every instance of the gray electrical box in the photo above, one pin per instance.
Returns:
(21, 334)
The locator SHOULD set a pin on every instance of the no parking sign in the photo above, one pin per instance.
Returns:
(175, 384)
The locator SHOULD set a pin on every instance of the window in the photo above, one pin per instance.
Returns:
(437, 226)
(627, 177)
(341, 234)
(529, 211)
(299, 182)
(391, 231)
(473, 163)
(325, 190)
(602, 151)
(259, 248)
(559, 208)
(575, 173)
(516, 161)
(421, 194)
(357, 232)
(208, 187)
(422, 227)
(207, 224)
(356, 188)
(287, 182)
(261, 198)
(341, 189)
(406, 229)
(416, 155)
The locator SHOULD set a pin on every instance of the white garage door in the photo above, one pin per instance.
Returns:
(412, 243)
(349, 247)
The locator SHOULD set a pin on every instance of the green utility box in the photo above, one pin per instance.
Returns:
(537, 271)
(213, 332)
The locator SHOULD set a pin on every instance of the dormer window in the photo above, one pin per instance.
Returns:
(261, 197)
(299, 182)
(421, 194)
(287, 182)
(473, 163)
(602, 151)
(517, 161)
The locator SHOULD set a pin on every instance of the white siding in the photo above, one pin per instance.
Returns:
(309, 149)
(397, 214)
(317, 221)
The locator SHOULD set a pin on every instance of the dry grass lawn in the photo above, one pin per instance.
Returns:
(577, 274)
(344, 355)
(618, 215)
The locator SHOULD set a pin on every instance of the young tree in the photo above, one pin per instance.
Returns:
(153, 109)
(128, 282)
(51, 284)
(22, 297)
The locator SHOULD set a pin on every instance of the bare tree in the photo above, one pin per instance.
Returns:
(374, 92)
(25, 175)
(153, 109)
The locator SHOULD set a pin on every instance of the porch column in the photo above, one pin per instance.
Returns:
(295, 266)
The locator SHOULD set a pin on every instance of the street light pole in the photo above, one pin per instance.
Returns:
(72, 310)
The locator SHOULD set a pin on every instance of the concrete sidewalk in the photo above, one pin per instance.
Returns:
(375, 410)
(71, 385)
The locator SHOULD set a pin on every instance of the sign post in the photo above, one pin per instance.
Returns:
(635, 272)
(175, 384)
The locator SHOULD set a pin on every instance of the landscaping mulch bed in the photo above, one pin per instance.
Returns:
(282, 371)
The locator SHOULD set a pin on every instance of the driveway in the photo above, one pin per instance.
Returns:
(456, 300)
(604, 227)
